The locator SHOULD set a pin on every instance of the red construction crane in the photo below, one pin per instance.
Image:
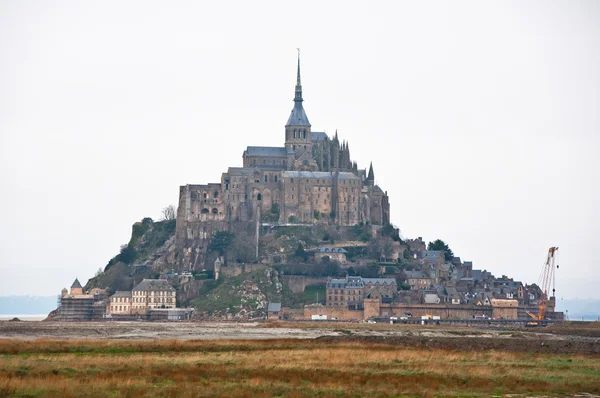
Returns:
(547, 276)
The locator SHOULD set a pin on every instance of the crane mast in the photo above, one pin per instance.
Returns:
(547, 277)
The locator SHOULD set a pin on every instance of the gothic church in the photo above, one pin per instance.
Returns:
(310, 180)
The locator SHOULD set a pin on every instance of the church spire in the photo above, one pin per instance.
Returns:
(298, 116)
(371, 175)
(298, 96)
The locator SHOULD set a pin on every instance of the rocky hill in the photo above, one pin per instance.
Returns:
(150, 252)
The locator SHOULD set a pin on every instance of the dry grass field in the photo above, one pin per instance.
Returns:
(291, 368)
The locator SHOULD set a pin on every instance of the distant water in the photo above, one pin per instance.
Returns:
(23, 317)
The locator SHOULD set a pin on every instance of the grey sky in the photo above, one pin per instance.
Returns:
(481, 119)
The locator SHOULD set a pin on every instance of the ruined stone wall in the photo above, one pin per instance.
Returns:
(238, 269)
(298, 283)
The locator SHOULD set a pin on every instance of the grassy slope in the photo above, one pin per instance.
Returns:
(228, 293)
(282, 368)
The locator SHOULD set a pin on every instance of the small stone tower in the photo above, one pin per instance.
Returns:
(76, 288)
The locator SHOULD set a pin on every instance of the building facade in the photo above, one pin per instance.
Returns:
(351, 291)
(152, 293)
(149, 294)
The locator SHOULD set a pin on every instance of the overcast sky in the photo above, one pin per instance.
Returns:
(481, 119)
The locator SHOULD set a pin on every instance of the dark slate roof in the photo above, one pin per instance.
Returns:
(122, 293)
(153, 284)
(236, 171)
(274, 307)
(265, 151)
(381, 281)
(331, 250)
(298, 116)
(76, 284)
(319, 174)
(432, 254)
(416, 275)
(350, 282)
(318, 136)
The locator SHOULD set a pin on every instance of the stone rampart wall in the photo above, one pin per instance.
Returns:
(297, 283)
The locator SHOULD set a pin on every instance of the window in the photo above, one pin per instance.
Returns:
(275, 177)
(266, 178)
(259, 197)
(215, 194)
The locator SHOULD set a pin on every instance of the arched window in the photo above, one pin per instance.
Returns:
(259, 197)
(204, 211)
(204, 195)
(215, 194)
(215, 210)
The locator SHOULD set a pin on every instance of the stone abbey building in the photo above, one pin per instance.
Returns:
(309, 180)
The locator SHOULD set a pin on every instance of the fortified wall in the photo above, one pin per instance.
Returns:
(374, 308)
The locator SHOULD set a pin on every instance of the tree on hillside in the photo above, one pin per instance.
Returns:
(221, 241)
(389, 230)
(300, 252)
(127, 254)
(244, 248)
(440, 245)
(168, 213)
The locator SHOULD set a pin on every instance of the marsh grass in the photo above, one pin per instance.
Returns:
(292, 368)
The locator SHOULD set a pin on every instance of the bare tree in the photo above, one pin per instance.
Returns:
(168, 213)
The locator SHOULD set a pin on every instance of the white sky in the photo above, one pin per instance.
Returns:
(481, 119)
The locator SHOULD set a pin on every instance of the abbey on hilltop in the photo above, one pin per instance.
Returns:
(309, 180)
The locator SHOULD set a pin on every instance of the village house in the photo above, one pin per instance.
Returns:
(120, 302)
(274, 311)
(151, 294)
(352, 290)
(345, 292)
(418, 280)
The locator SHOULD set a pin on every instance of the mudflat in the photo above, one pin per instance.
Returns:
(563, 338)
